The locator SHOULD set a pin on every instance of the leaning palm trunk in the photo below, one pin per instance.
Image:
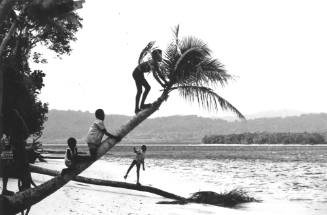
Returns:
(109, 183)
(27, 198)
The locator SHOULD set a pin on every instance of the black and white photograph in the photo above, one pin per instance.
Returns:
(147, 107)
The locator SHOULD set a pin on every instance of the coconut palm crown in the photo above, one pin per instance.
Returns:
(190, 69)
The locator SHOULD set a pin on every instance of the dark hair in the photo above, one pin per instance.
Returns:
(155, 53)
(99, 113)
(71, 142)
(143, 147)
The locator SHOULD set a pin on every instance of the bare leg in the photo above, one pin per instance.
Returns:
(138, 81)
(93, 153)
(137, 99)
(147, 89)
(138, 174)
(28, 211)
(130, 167)
(4, 184)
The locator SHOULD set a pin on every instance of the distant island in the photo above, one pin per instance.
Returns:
(266, 138)
(178, 129)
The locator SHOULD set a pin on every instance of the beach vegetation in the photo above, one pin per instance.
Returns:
(266, 138)
(26, 26)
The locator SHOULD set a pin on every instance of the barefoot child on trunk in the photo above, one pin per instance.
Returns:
(138, 160)
(96, 133)
(140, 81)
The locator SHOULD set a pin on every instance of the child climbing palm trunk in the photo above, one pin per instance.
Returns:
(96, 133)
(146, 67)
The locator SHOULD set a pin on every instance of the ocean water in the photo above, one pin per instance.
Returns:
(288, 179)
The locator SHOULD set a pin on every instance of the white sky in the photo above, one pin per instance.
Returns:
(277, 49)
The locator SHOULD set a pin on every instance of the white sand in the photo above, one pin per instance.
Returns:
(83, 199)
(80, 199)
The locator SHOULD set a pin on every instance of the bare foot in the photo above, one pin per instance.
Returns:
(7, 193)
(145, 106)
(137, 111)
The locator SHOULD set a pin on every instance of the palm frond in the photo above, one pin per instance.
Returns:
(189, 42)
(176, 38)
(145, 51)
(187, 63)
(195, 66)
(176, 32)
(190, 68)
(171, 57)
(206, 98)
(211, 71)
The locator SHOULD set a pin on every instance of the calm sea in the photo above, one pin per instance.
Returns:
(291, 178)
(288, 179)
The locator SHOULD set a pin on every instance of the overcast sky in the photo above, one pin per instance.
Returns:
(276, 49)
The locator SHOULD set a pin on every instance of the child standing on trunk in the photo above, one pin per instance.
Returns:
(138, 160)
(138, 75)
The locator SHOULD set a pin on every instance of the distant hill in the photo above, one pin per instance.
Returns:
(63, 124)
(268, 114)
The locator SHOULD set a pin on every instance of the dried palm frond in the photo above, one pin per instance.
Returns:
(146, 51)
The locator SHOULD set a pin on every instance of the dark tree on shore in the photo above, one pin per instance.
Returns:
(266, 138)
(23, 26)
(26, 25)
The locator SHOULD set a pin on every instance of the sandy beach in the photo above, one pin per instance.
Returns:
(295, 192)
(83, 199)
(79, 199)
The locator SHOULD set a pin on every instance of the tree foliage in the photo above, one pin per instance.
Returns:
(22, 85)
(266, 138)
(191, 70)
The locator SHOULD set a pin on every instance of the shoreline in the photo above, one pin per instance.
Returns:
(76, 198)
(83, 199)
(191, 144)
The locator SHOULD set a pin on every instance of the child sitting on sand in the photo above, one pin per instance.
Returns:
(96, 132)
(138, 160)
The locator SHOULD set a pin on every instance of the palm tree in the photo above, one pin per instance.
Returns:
(189, 68)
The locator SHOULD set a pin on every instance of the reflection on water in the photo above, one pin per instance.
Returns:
(285, 174)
